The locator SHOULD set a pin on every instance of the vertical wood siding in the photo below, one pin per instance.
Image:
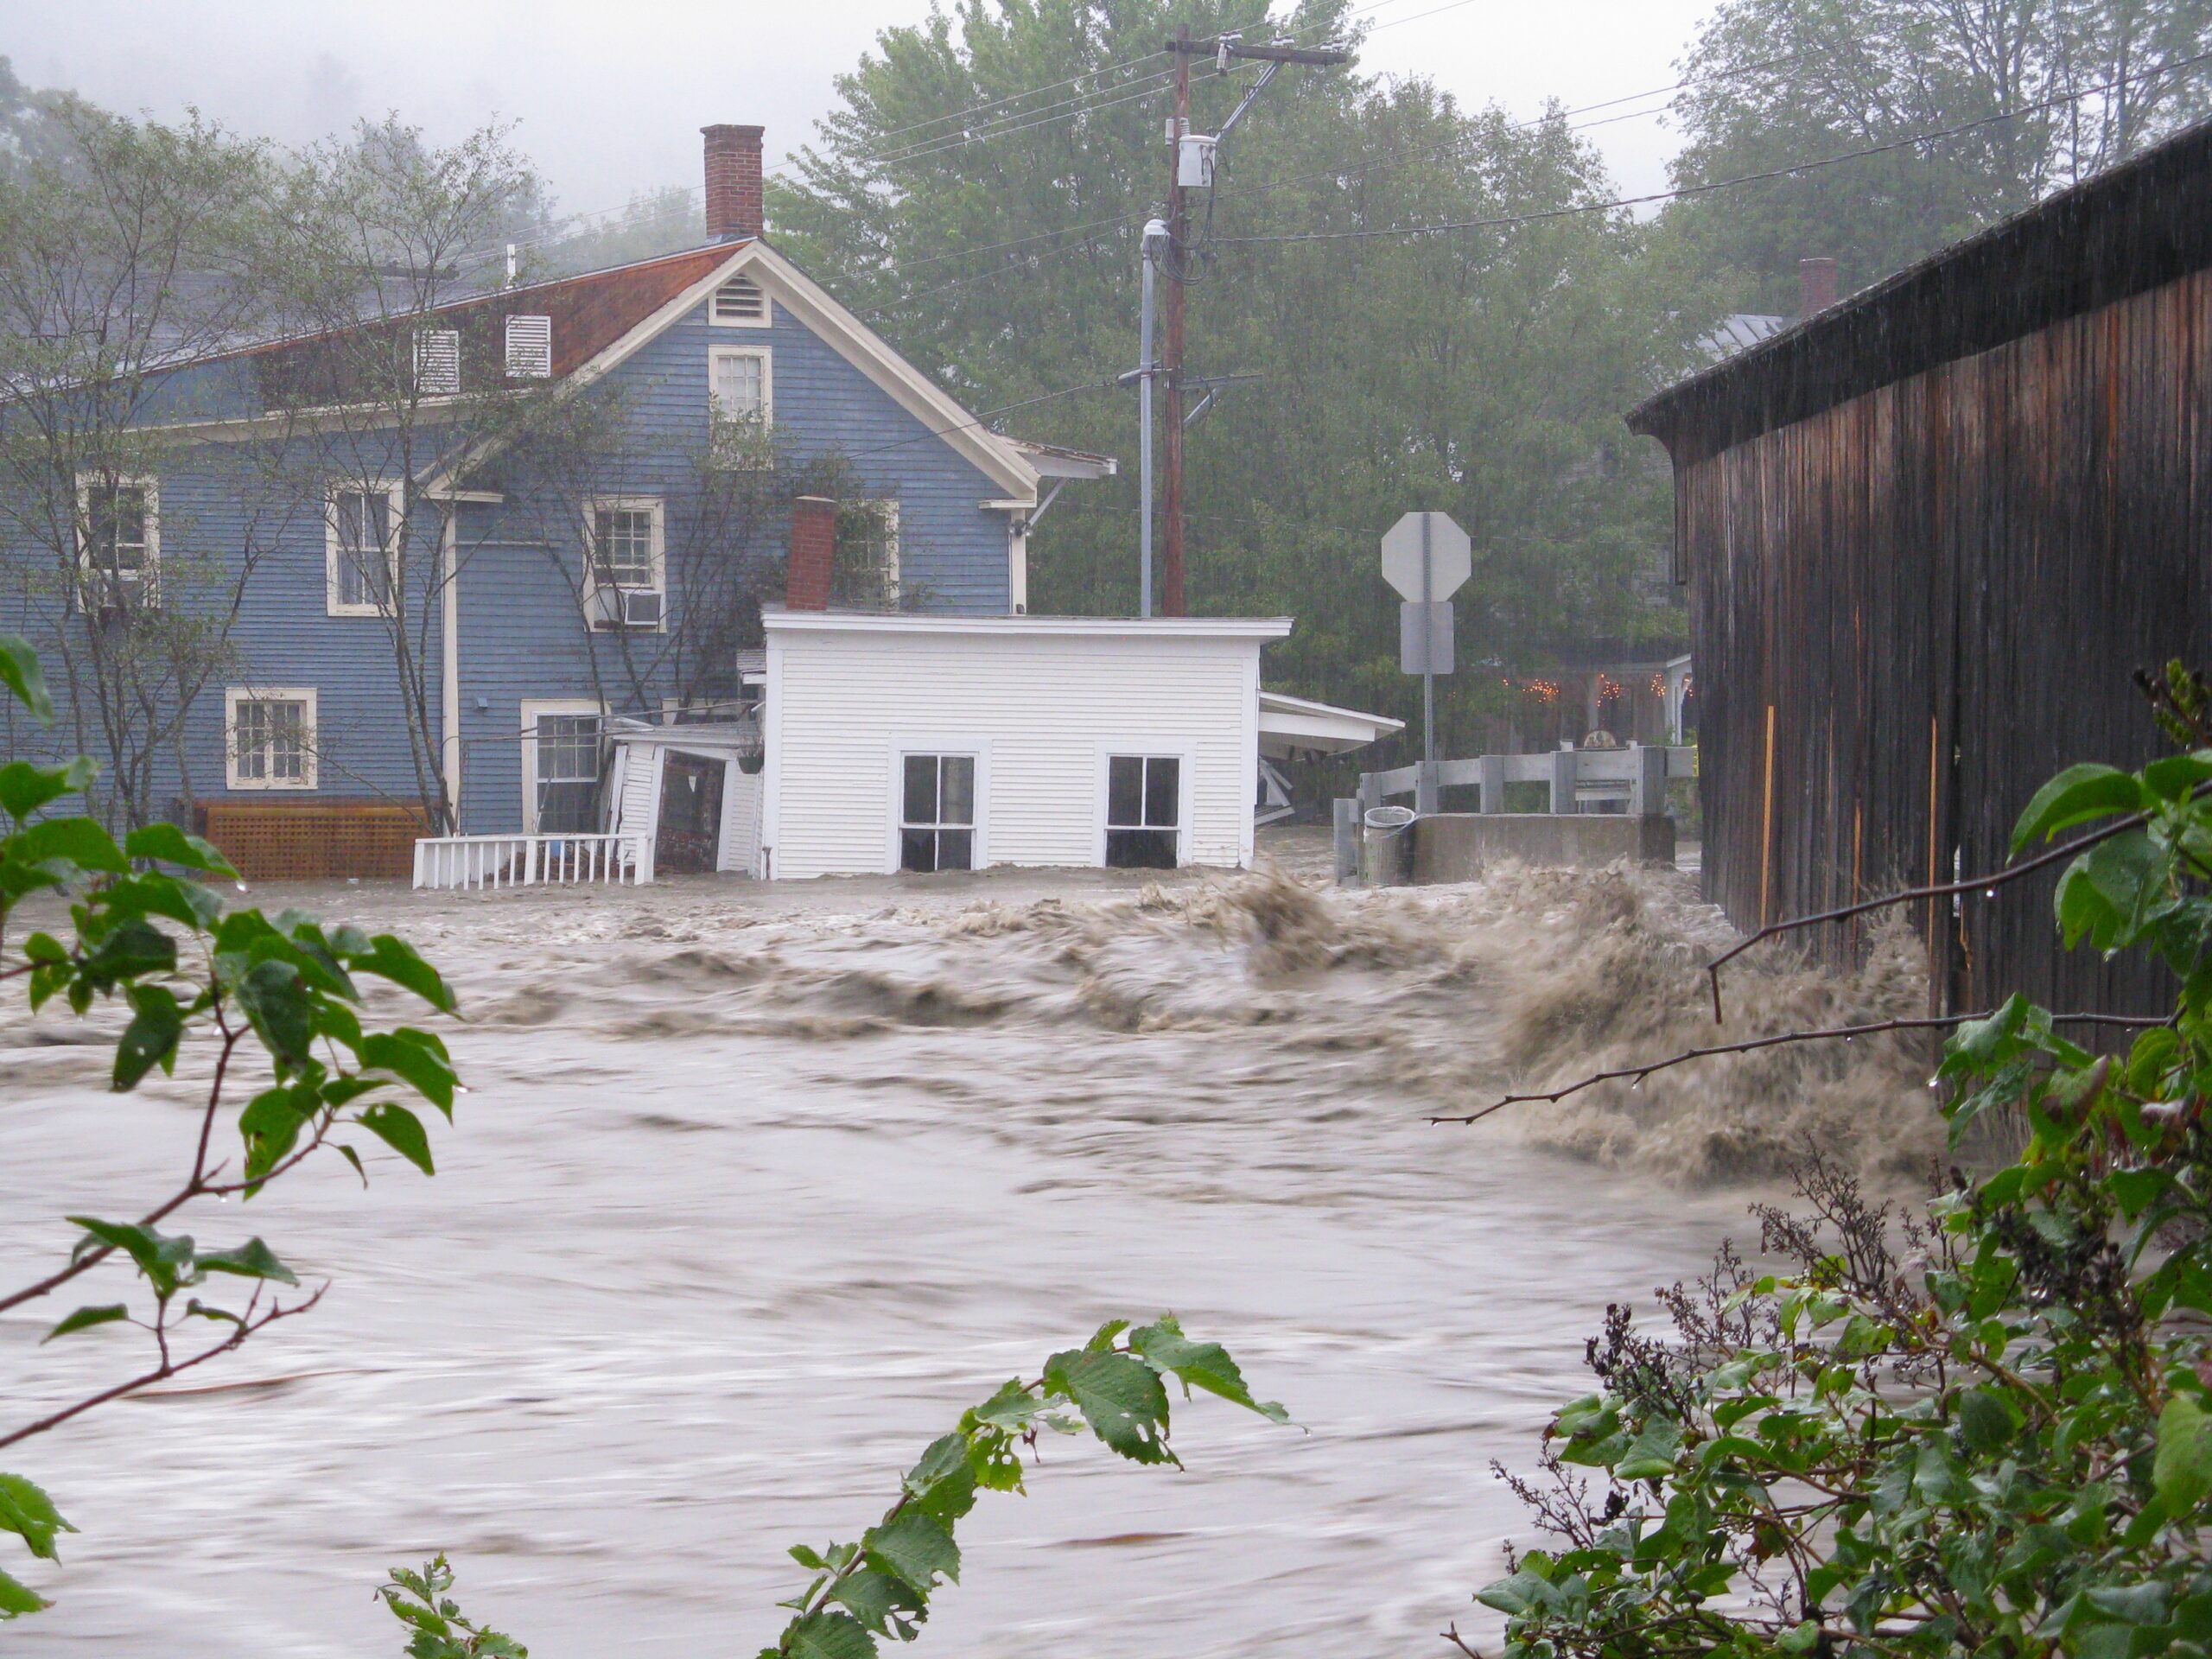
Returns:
(1950, 580)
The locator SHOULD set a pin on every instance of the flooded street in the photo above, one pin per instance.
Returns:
(756, 1189)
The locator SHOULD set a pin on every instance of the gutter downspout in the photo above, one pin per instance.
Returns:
(449, 621)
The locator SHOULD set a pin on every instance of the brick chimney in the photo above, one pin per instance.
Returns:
(734, 208)
(814, 552)
(1815, 286)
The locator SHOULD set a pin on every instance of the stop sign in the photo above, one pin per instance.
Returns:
(1451, 555)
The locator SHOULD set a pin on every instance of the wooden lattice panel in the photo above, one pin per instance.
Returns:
(308, 840)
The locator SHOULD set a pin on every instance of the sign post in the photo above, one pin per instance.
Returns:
(1425, 556)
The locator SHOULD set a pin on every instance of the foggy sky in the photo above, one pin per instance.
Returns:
(610, 97)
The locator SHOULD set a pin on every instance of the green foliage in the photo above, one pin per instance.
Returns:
(881, 1586)
(436, 1628)
(1986, 1431)
(1777, 83)
(270, 1006)
(1483, 372)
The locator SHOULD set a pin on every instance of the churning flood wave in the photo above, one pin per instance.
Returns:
(756, 1189)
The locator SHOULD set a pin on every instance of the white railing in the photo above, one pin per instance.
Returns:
(1638, 773)
(529, 861)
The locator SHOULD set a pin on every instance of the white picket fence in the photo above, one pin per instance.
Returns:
(468, 861)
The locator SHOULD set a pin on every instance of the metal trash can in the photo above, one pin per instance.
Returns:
(1386, 847)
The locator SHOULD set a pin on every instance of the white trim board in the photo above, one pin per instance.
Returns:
(776, 620)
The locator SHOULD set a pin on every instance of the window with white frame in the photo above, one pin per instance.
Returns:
(271, 737)
(864, 572)
(937, 812)
(362, 528)
(563, 751)
(1144, 811)
(740, 380)
(739, 303)
(437, 361)
(529, 348)
(121, 537)
(625, 562)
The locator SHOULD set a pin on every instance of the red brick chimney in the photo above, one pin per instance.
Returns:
(1815, 286)
(734, 209)
(814, 552)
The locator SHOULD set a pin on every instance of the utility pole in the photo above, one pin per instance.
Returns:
(1179, 227)
(1182, 173)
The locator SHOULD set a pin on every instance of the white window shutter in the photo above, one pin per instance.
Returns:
(529, 348)
(437, 360)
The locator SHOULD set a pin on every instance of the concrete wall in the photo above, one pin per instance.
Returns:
(1457, 845)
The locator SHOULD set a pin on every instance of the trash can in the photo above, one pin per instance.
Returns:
(1386, 847)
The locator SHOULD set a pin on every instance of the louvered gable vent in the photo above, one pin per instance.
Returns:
(739, 300)
(529, 348)
(437, 361)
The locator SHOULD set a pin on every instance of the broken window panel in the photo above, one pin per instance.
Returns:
(937, 813)
(1144, 811)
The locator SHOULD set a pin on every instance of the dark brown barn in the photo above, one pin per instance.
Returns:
(1928, 535)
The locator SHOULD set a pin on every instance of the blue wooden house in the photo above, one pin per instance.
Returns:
(442, 622)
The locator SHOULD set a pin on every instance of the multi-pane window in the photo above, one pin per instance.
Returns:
(937, 817)
(566, 766)
(272, 740)
(121, 539)
(1144, 811)
(624, 590)
(360, 549)
(739, 381)
(622, 547)
(864, 574)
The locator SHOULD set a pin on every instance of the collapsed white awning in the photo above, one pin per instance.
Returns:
(1296, 726)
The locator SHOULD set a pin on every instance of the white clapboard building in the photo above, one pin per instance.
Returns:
(897, 740)
(873, 742)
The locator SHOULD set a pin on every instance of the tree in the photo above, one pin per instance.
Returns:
(1480, 372)
(128, 256)
(410, 410)
(666, 220)
(1774, 83)
(265, 1008)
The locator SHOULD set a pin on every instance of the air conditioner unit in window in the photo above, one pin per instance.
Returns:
(640, 608)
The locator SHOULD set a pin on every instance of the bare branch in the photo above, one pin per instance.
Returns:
(1933, 1022)
(1941, 890)
(167, 1368)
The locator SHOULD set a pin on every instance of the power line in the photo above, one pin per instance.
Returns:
(1684, 190)
(1363, 168)
(987, 415)
(1001, 126)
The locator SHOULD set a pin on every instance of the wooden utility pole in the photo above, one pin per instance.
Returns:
(1178, 267)
(1178, 225)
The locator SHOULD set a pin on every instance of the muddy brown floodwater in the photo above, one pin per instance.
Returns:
(756, 1189)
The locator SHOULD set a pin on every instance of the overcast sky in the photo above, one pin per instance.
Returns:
(610, 97)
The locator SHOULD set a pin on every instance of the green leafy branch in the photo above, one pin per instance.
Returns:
(280, 995)
(1115, 1384)
(437, 1628)
(1987, 1428)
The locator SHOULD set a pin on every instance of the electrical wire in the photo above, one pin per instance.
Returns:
(1685, 191)
(1367, 168)
(986, 416)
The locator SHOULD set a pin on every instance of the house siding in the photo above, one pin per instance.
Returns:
(521, 636)
(843, 706)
